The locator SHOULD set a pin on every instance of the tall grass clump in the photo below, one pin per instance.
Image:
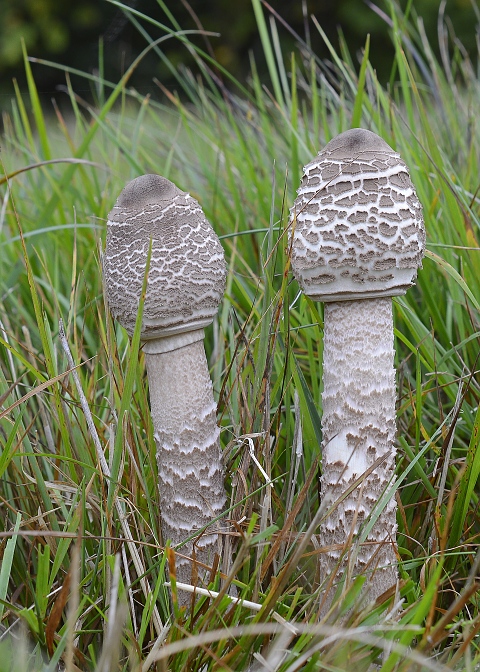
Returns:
(83, 572)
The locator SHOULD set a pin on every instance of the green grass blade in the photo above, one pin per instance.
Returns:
(10, 446)
(358, 104)
(304, 391)
(467, 484)
(130, 375)
(415, 617)
(37, 108)
(455, 275)
(268, 51)
(7, 561)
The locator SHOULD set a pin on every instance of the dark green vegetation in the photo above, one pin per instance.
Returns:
(85, 574)
(69, 34)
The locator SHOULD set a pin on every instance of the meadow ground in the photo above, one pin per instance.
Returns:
(83, 573)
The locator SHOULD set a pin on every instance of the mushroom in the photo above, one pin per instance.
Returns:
(186, 282)
(358, 240)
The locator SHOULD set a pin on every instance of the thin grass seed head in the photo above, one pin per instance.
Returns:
(187, 273)
(359, 229)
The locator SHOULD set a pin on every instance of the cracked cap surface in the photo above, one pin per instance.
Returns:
(357, 223)
(187, 274)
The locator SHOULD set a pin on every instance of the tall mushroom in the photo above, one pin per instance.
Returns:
(358, 239)
(186, 282)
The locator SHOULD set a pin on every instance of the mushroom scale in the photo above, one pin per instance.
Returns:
(358, 240)
(358, 225)
(185, 284)
(187, 274)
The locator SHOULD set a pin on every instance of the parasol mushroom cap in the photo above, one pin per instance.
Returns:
(357, 223)
(187, 274)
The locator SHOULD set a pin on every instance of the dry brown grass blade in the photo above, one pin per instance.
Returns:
(8, 392)
(73, 606)
(469, 637)
(56, 613)
(280, 581)
(131, 543)
(440, 631)
(32, 166)
(241, 338)
(40, 388)
(284, 532)
(371, 635)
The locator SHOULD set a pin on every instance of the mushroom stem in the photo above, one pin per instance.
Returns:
(358, 428)
(185, 285)
(358, 240)
(189, 457)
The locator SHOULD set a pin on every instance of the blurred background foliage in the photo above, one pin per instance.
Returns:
(70, 32)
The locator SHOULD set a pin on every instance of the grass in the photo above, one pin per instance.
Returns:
(83, 573)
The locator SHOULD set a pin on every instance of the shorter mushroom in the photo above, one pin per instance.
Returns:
(358, 239)
(186, 282)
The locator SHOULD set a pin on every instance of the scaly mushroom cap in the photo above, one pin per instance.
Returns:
(187, 274)
(357, 223)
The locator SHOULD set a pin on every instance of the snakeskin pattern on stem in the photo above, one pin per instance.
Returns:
(359, 427)
(190, 468)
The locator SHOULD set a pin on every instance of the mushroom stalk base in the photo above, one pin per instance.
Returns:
(190, 468)
(358, 428)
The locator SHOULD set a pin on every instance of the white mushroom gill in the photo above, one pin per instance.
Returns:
(358, 239)
(186, 282)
